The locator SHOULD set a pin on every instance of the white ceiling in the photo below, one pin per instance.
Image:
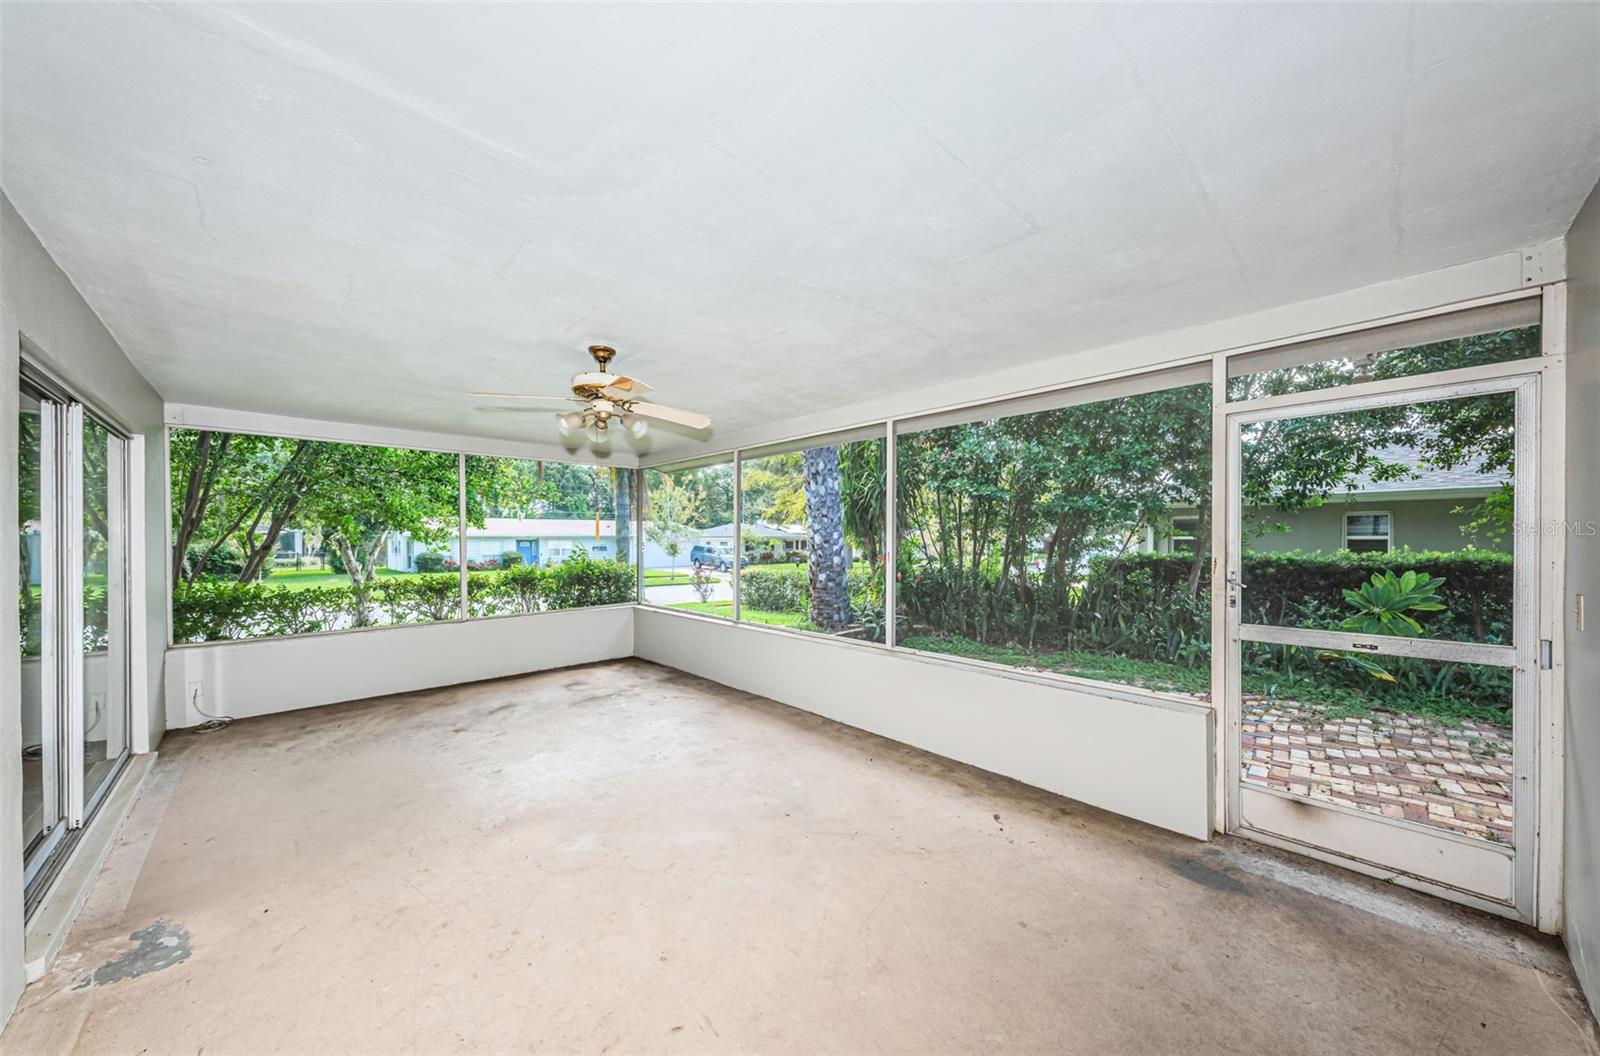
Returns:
(357, 212)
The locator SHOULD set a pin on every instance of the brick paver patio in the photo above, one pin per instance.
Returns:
(1455, 777)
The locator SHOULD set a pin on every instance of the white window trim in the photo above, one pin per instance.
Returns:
(1344, 529)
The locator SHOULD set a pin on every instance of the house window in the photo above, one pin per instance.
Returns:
(1368, 533)
(1185, 530)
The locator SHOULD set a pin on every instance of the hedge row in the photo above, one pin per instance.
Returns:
(1291, 587)
(214, 610)
(1140, 606)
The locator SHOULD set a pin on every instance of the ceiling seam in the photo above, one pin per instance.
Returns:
(1183, 156)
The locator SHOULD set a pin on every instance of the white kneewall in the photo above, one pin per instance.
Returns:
(244, 679)
(1145, 759)
(1581, 864)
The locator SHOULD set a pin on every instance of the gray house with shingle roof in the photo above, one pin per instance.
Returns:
(1425, 508)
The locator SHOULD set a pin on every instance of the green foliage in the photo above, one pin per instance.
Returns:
(225, 561)
(214, 610)
(430, 561)
(1384, 604)
(784, 591)
(421, 599)
(774, 588)
(516, 590)
(510, 558)
(674, 508)
(581, 581)
(1139, 606)
(863, 478)
(702, 582)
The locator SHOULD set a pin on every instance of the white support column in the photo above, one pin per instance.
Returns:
(738, 526)
(461, 532)
(1220, 722)
(891, 535)
(637, 513)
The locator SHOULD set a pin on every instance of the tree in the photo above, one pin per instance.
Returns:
(672, 507)
(369, 493)
(236, 488)
(829, 565)
(774, 489)
(622, 503)
(864, 494)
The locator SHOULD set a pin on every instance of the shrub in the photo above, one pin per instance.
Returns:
(225, 562)
(581, 580)
(775, 588)
(215, 610)
(420, 599)
(510, 558)
(521, 589)
(431, 561)
(1140, 606)
(704, 586)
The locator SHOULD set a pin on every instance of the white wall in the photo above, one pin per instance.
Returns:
(248, 678)
(1150, 761)
(38, 302)
(1581, 879)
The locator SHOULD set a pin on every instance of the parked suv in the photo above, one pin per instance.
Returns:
(707, 557)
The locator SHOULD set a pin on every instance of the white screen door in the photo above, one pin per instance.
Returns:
(1381, 611)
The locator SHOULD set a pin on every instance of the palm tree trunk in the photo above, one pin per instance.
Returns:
(828, 570)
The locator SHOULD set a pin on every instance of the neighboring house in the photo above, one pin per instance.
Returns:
(1419, 511)
(540, 541)
(787, 543)
(291, 544)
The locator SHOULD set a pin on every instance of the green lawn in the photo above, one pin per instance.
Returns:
(725, 610)
(1311, 685)
(1146, 674)
(655, 577)
(305, 578)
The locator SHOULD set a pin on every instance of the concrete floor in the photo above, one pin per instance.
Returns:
(623, 858)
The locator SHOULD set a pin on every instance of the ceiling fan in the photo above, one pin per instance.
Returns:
(608, 398)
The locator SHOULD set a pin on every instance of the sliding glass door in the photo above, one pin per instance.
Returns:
(72, 554)
(103, 702)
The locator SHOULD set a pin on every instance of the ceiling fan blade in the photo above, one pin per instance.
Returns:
(623, 387)
(523, 396)
(687, 419)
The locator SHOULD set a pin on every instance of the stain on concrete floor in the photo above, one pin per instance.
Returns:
(161, 945)
(1213, 879)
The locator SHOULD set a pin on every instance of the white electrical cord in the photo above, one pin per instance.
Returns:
(213, 722)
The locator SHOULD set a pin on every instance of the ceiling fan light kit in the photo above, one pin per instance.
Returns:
(606, 396)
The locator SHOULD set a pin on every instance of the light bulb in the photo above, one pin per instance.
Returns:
(636, 425)
(567, 422)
